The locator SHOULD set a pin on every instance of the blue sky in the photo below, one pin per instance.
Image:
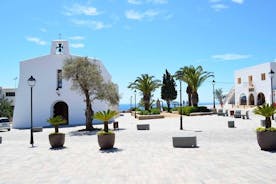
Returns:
(133, 37)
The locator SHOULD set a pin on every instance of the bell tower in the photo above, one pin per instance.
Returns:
(60, 47)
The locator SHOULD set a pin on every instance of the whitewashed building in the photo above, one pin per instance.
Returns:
(52, 95)
(8, 93)
(253, 84)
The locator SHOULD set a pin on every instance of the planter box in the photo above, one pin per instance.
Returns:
(231, 124)
(154, 116)
(143, 127)
(184, 142)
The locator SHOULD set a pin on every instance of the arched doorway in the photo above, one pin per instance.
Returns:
(260, 99)
(251, 99)
(243, 100)
(61, 108)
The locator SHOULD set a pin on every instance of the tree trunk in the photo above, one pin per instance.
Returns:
(189, 93)
(168, 105)
(147, 102)
(195, 99)
(88, 112)
(56, 129)
(106, 126)
(267, 122)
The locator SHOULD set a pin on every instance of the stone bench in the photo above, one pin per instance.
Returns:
(184, 142)
(143, 127)
(37, 129)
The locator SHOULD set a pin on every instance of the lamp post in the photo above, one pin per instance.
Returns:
(130, 102)
(31, 82)
(135, 103)
(271, 74)
(181, 126)
(214, 104)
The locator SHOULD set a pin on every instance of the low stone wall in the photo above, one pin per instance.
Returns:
(154, 116)
(201, 113)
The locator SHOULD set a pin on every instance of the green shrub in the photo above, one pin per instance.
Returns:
(144, 112)
(263, 129)
(155, 111)
(152, 111)
(187, 110)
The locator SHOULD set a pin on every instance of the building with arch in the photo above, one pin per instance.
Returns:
(51, 94)
(253, 84)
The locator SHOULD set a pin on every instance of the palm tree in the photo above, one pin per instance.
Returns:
(219, 96)
(267, 111)
(146, 84)
(105, 116)
(194, 77)
(56, 121)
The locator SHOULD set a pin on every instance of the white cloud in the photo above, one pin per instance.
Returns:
(76, 38)
(228, 57)
(135, 15)
(77, 9)
(238, 1)
(134, 1)
(219, 7)
(36, 40)
(96, 25)
(77, 45)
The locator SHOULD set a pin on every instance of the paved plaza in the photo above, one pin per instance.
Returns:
(224, 155)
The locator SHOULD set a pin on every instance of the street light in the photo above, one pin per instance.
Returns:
(135, 103)
(31, 82)
(214, 104)
(181, 126)
(271, 74)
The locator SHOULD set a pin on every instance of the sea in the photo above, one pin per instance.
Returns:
(125, 107)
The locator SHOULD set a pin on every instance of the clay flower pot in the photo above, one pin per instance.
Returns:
(57, 140)
(267, 140)
(106, 141)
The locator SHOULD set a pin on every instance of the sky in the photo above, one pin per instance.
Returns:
(134, 37)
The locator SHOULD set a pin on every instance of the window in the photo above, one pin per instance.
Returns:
(263, 76)
(239, 80)
(59, 79)
(250, 80)
(10, 93)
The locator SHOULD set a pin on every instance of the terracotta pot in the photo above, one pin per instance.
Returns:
(57, 140)
(267, 140)
(106, 141)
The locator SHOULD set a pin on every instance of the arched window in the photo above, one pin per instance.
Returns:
(243, 100)
(260, 99)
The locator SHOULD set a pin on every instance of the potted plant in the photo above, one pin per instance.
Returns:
(266, 136)
(106, 138)
(56, 138)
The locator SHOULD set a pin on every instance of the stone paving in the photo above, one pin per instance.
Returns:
(224, 155)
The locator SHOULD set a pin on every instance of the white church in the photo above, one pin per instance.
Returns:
(51, 95)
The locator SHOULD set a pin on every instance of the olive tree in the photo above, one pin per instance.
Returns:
(86, 77)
